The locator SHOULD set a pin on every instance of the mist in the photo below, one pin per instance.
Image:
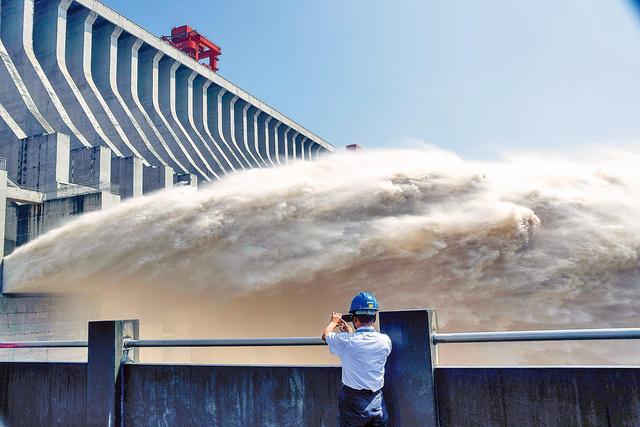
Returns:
(529, 241)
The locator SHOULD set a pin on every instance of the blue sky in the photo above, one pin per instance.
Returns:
(477, 77)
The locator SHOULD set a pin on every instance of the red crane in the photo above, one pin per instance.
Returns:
(195, 45)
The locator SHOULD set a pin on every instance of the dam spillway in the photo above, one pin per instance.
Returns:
(95, 109)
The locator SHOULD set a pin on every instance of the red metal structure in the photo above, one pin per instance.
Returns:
(195, 45)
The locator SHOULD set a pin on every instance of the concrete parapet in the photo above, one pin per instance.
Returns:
(113, 388)
(538, 396)
(42, 394)
(231, 395)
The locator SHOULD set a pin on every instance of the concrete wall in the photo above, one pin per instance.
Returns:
(538, 396)
(230, 395)
(42, 394)
(43, 318)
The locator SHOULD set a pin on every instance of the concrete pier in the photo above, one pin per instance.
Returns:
(127, 173)
(157, 178)
(90, 166)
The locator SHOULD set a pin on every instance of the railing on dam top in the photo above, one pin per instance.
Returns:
(228, 342)
(43, 344)
(221, 342)
(437, 338)
(538, 335)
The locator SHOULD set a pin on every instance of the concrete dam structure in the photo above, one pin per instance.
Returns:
(95, 109)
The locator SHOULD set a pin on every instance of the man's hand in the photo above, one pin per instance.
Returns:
(336, 320)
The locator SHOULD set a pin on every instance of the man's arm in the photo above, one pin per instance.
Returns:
(336, 320)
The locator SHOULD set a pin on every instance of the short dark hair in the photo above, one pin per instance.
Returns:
(365, 318)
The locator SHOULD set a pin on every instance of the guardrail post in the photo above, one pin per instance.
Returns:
(409, 388)
(104, 394)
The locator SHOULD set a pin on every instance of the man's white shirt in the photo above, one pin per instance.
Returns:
(363, 354)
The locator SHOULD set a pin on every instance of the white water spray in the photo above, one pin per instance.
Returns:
(524, 242)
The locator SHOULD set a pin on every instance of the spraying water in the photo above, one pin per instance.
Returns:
(524, 242)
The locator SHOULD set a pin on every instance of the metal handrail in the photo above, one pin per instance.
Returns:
(540, 335)
(228, 342)
(437, 338)
(42, 344)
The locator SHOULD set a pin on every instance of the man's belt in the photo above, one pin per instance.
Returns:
(364, 392)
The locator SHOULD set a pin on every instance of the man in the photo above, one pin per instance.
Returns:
(363, 353)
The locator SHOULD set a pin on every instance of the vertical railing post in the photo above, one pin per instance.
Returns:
(104, 395)
(409, 379)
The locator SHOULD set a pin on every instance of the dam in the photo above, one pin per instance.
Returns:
(92, 105)
(95, 110)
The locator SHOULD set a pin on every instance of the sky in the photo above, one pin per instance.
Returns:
(481, 78)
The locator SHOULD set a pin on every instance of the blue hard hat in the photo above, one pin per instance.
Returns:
(364, 303)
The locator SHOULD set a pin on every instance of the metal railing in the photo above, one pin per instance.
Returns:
(539, 335)
(437, 338)
(77, 189)
(228, 342)
(43, 344)
(221, 342)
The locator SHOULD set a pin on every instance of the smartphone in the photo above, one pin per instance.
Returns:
(347, 317)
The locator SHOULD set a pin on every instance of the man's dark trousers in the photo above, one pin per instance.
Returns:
(361, 408)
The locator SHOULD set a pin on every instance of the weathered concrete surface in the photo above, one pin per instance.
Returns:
(44, 318)
(90, 166)
(40, 162)
(127, 172)
(104, 370)
(215, 123)
(408, 382)
(42, 394)
(156, 178)
(538, 396)
(230, 395)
